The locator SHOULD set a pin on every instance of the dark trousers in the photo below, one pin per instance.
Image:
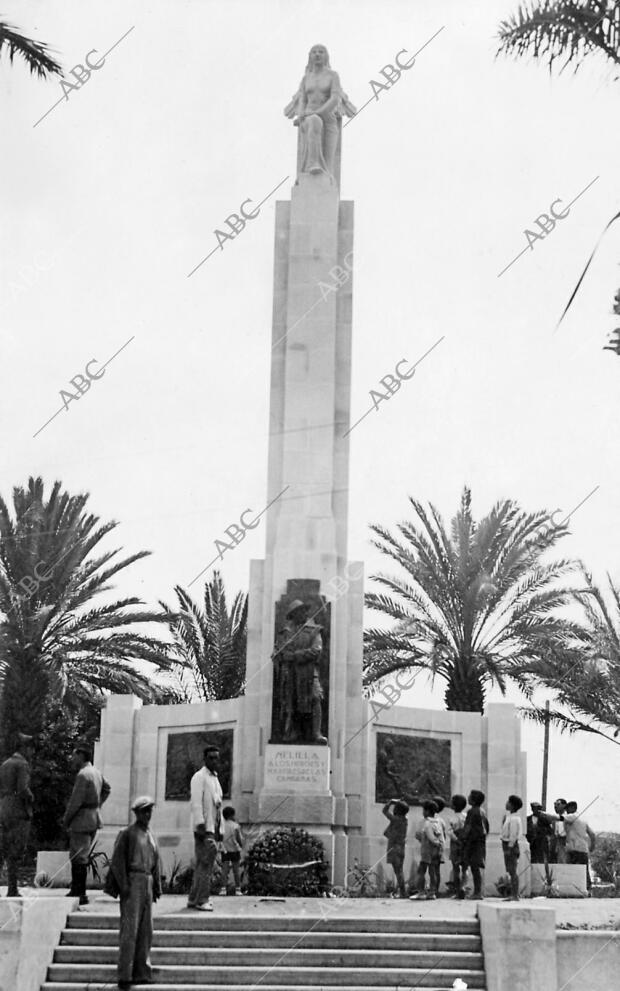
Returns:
(13, 840)
(579, 857)
(136, 930)
(205, 852)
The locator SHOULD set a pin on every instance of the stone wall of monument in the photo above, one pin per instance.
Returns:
(402, 751)
(424, 752)
(154, 750)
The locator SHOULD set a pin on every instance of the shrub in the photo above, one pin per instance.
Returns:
(287, 862)
(605, 858)
(179, 880)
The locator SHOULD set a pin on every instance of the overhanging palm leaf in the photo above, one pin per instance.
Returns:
(563, 29)
(472, 607)
(34, 53)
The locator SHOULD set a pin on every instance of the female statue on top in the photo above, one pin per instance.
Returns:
(315, 109)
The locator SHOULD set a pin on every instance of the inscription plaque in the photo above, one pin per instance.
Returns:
(298, 767)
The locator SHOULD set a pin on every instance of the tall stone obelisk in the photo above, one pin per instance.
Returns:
(289, 774)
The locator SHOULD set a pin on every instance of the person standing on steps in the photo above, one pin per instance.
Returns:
(82, 818)
(206, 804)
(134, 875)
(474, 839)
(16, 801)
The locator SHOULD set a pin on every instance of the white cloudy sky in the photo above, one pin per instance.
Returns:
(113, 198)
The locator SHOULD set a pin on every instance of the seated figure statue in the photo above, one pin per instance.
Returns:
(315, 109)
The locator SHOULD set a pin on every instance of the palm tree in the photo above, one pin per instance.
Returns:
(569, 30)
(210, 642)
(34, 53)
(585, 678)
(54, 643)
(472, 607)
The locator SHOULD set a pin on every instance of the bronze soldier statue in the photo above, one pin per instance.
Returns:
(16, 802)
(297, 658)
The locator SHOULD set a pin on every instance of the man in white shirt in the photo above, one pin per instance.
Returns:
(558, 840)
(580, 840)
(206, 803)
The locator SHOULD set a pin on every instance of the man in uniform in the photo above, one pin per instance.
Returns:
(134, 875)
(82, 818)
(301, 652)
(15, 809)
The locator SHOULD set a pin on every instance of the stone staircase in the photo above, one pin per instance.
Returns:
(194, 952)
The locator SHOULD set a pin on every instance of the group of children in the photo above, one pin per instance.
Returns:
(466, 833)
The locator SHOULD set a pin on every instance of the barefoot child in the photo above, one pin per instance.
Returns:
(455, 830)
(511, 833)
(474, 839)
(232, 845)
(432, 836)
(396, 834)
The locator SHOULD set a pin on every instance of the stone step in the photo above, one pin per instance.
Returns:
(330, 922)
(98, 986)
(304, 977)
(284, 940)
(349, 959)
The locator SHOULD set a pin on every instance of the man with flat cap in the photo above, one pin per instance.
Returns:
(134, 875)
(82, 818)
(297, 656)
(16, 802)
(538, 834)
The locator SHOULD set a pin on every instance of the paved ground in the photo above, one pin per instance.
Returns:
(579, 912)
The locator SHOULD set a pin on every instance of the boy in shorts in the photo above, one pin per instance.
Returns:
(232, 845)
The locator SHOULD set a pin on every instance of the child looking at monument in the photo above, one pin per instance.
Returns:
(432, 837)
(456, 823)
(396, 834)
(474, 839)
(232, 845)
(511, 833)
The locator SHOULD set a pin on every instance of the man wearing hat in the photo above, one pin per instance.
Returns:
(134, 875)
(15, 809)
(298, 657)
(82, 818)
(538, 833)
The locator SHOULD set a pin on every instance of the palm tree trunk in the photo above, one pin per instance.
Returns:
(465, 691)
(22, 703)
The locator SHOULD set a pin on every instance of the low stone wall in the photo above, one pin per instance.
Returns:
(588, 961)
(523, 949)
(518, 943)
(29, 932)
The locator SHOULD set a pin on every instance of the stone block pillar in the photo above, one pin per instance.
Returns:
(114, 756)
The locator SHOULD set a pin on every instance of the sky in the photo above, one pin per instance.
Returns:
(112, 199)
